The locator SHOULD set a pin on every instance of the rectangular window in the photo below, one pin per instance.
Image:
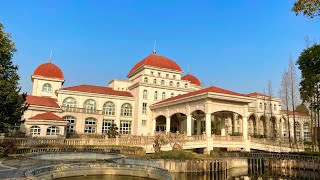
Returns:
(144, 122)
(151, 73)
(125, 127)
(106, 124)
(90, 130)
(174, 76)
(167, 75)
(144, 108)
(70, 129)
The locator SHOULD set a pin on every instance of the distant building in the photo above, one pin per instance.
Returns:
(155, 98)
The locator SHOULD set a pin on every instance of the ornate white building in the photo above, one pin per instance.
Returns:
(156, 97)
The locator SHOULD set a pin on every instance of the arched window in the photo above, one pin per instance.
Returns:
(145, 94)
(298, 131)
(53, 130)
(69, 102)
(155, 95)
(72, 123)
(171, 83)
(46, 87)
(163, 95)
(109, 108)
(260, 105)
(306, 132)
(178, 84)
(145, 80)
(90, 126)
(274, 107)
(155, 81)
(186, 85)
(126, 110)
(172, 94)
(162, 82)
(90, 104)
(35, 130)
(265, 106)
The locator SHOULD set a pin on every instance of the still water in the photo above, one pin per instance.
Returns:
(233, 174)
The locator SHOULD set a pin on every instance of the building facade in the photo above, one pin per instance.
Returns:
(155, 98)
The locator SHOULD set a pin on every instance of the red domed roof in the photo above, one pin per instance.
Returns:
(49, 70)
(192, 79)
(157, 61)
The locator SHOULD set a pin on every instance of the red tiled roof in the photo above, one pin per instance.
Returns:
(49, 70)
(206, 90)
(47, 116)
(255, 94)
(42, 101)
(98, 90)
(157, 61)
(192, 79)
(296, 113)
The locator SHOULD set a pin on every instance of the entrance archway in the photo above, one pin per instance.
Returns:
(178, 123)
(161, 124)
(198, 122)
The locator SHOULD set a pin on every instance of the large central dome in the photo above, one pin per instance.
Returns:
(157, 61)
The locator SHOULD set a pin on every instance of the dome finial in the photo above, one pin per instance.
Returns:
(50, 60)
(154, 47)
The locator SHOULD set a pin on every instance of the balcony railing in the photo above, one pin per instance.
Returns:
(82, 110)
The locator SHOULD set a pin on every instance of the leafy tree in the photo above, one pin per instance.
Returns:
(113, 131)
(302, 109)
(309, 64)
(309, 8)
(11, 103)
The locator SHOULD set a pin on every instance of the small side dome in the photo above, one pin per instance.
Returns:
(48, 70)
(192, 79)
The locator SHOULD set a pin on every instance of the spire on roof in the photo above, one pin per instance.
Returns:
(50, 60)
(154, 47)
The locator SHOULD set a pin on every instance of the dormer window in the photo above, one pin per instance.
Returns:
(186, 85)
(47, 88)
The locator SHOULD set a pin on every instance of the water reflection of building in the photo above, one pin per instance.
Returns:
(156, 97)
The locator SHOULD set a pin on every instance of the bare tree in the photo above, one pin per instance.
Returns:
(294, 92)
(284, 95)
(269, 101)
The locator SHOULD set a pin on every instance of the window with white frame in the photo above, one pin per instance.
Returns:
(178, 84)
(172, 94)
(109, 108)
(46, 87)
(155, 81)
(151, 73)
(125, 127)
(144, 122)
(145, 94)
(145, 80)
(159, 74)
(90, 126)
(69, 102)
(155, 95)
(274, 107)
(53, 130)
(174, 76)
(35, 130)
(306, 132)
(167, 75)
(106, 124)
(162, 82)
(260, 105)
(72, 123)
(171, 83)
(163, 95)
(186, 85)
(90, 104)
(126, 110)
(144, 108)
(265, 106)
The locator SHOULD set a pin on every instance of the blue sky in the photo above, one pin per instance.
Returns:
(237, 46)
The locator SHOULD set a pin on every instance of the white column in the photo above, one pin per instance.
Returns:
(189, 125)
(245, 128)
(199, 127)
(223, 127)
(168, 125)
(153, 128)
(208, 124)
